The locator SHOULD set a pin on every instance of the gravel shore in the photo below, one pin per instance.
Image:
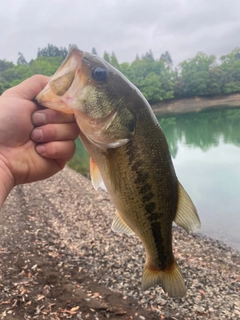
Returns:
(62, 227)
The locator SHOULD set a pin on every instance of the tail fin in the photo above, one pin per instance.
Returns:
(171, 280)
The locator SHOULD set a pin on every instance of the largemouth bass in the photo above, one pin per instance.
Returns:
(130, 154)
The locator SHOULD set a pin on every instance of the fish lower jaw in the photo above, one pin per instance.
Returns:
(53, 102)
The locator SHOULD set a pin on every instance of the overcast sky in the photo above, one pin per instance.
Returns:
(127, 27)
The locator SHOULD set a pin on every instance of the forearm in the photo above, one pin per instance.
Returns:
(6, 185)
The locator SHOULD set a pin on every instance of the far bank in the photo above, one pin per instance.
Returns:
(197, 104)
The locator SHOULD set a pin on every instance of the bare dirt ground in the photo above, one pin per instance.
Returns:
(41, 280)
(59, 259)
(196, 104)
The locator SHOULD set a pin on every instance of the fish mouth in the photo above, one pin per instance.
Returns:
(52, 95)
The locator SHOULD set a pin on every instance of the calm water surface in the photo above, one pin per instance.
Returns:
(205, 148)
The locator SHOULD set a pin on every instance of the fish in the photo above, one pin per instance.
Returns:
(129, 154)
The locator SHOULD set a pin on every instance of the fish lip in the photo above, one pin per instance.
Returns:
(50, 97)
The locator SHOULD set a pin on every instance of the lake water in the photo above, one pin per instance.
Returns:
(205, 148)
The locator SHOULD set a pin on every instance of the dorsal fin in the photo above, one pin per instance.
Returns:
(120, 226)
(186, 216)
(95, 174)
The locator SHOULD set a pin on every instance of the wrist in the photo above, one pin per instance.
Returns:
(6, 183)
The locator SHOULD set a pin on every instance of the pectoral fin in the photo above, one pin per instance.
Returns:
(186, 216)
(120, 226)
(95, 174)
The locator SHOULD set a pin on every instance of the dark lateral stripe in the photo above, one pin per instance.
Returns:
(146, 194)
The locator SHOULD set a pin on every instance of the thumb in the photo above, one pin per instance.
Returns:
(29, 88)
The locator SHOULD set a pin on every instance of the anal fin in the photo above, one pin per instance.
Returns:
(120, 226)
(186, 216)
(95, 174)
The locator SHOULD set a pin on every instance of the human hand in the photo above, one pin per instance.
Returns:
(35, 143)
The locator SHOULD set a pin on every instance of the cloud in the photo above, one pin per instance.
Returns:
(125, 27)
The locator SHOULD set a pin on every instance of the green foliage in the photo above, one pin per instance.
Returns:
(200, 76)
(80, 161)
(52, 51)
(94, 51)
(13, 76)
(231, 71)
(204, 75)
(114, 61)
(125, 69)
(5, 65)
(195, 75)
(106, 56)
(45, 65)
(152, 77)
(148, 56)
(166, 58)
(21, 60)
(47, 62)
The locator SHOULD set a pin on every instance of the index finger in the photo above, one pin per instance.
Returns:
(28, 89)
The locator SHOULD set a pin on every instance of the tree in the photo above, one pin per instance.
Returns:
(166, 58)
(45, 65)
(230, 67)
(2, 88)
(13, 76)
(148, 55)
(195, 74)
(153, 78)
(154, 89)
(114, 61)
(215, 80)
(52, 51)
(201, 75)
(94, 51)
(21, 60)
(106, 57)
(125, 68)
(5, 65)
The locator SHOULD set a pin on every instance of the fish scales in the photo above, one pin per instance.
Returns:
(146, 206)
(129, 153)
(133, 182)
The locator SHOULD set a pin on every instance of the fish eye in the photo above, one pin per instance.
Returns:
(99, 74)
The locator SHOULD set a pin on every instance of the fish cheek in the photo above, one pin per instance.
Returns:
(122, 126)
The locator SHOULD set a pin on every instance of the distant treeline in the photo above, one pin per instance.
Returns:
(158, 80)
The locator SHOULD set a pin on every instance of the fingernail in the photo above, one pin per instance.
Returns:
(37, 134)
(40, 149)
(39, 118)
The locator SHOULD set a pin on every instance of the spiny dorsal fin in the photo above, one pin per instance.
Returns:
(171, 280)
(120, 226)
(95, 174)
(186, 216)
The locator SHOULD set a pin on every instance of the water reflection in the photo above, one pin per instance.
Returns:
(80, 161)
(206, 156)
(205, 148)
(203, 130)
